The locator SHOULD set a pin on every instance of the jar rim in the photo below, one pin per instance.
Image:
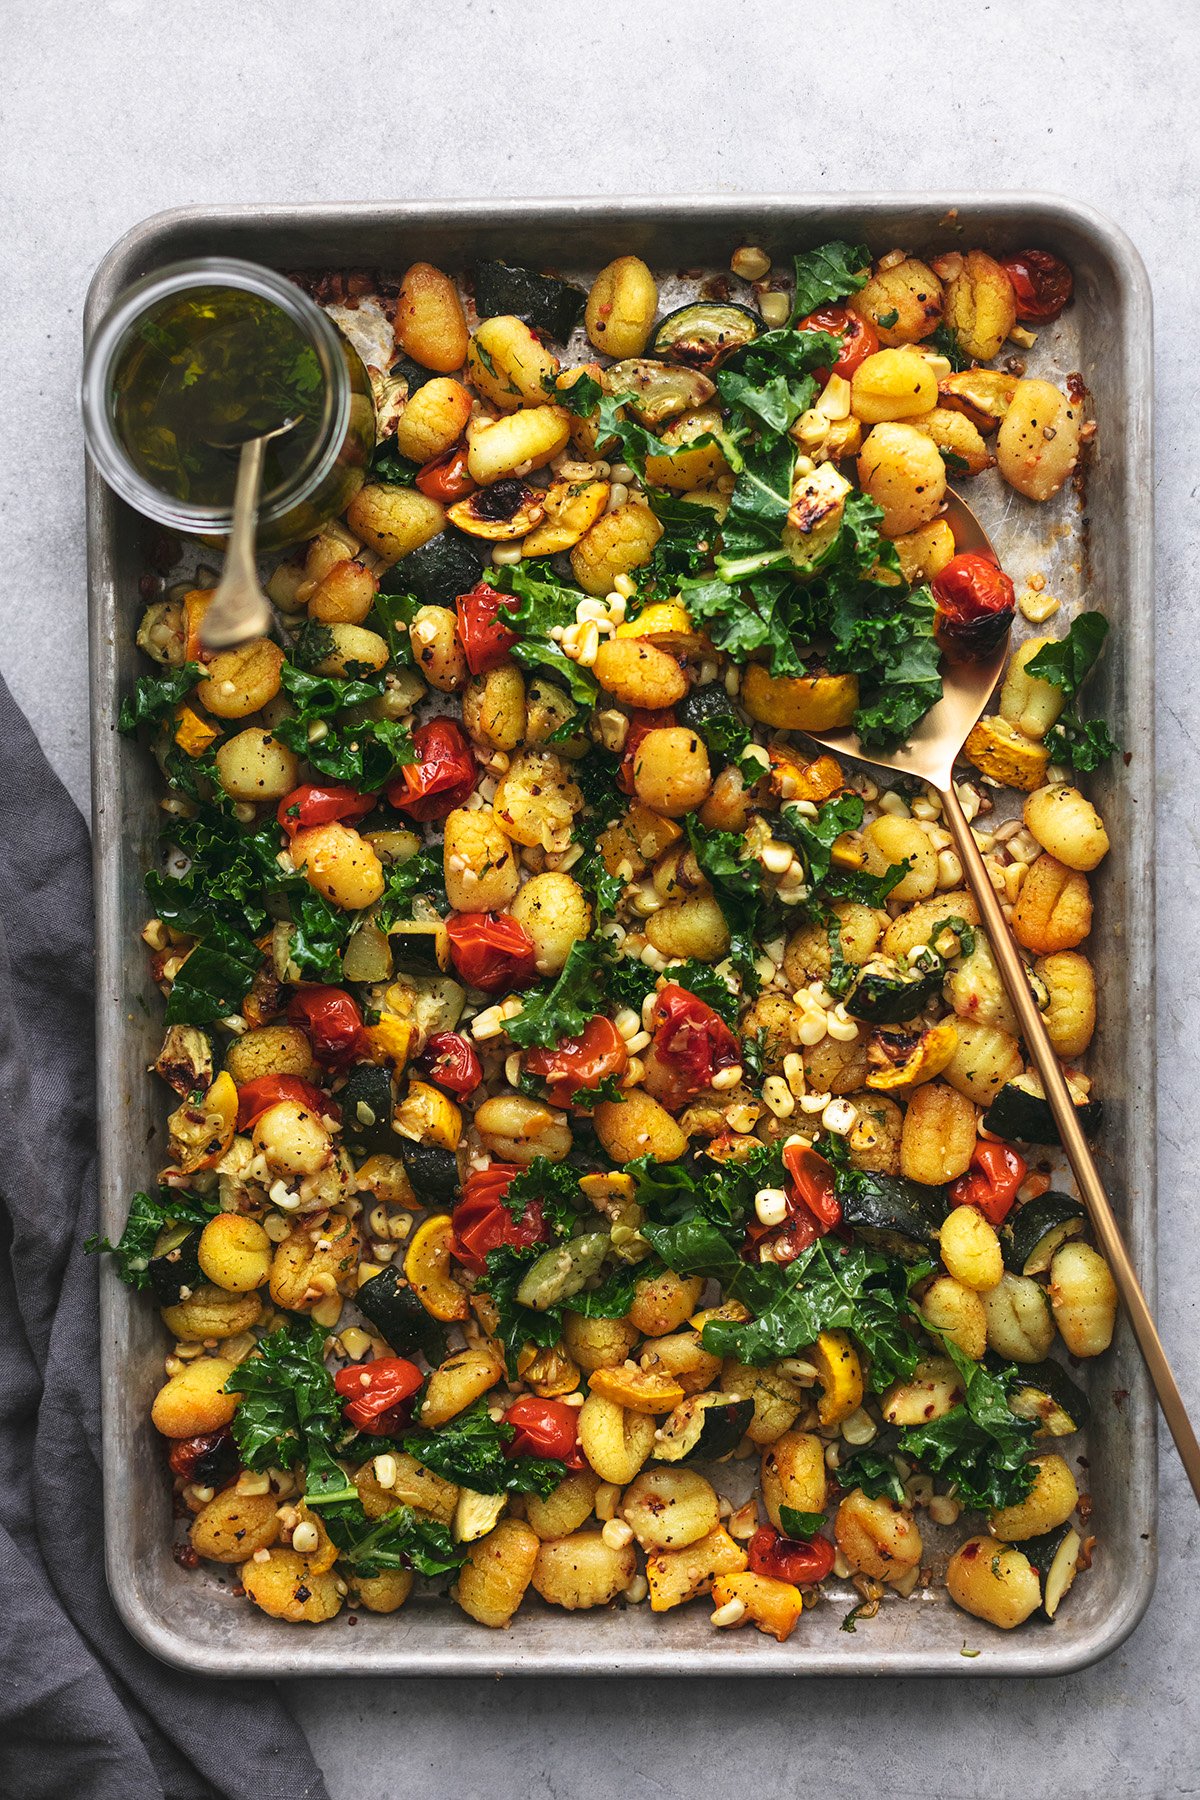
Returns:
(110, 338)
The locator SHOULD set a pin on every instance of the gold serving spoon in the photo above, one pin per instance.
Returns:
(930, 754)
(240, 610)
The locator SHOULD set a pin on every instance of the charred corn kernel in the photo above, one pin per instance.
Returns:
(776, 858)
(839, 1117)
(192, 733)
(859, 1428)
(616, 1533)
(750, 262)
(487, 1024)
(771, 1206)
(327, 1312)
(775, 308)
(779, 1097)
(390, 1040)
(607, 1499)
(814, 1103)
(743, 1117)
(724, 1078)
(895, 804)
(840, 1026)
(944, 1509)
(732, 1613)
(793, 1072)
(355, 1343)
(834, 403)
(386, 1471)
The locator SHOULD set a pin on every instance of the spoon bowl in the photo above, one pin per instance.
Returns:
(240, 609)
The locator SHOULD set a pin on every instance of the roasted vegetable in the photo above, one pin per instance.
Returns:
(543, 301)
(394, 1310)
(436, 573)
(704, 334)
(175, 1265)
(890, 997)
(1021, 1111)
(1033, 1233)
(1055, 1559)
(1045, 1393)
(367, 1101)
(892, 1214)
(703, 1429)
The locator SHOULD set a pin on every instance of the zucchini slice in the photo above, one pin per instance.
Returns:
(394, 1310)
(704, 1428)
(175, 1264)
(892, 998)
(420, 946)
(893, 1214)
(1045, 1394)
(438, 572)
(1021, 1111)
(709, 710)
(543, 301)
(1055, 1557)
(703, 335)
(1034, 1232)
(660, 391)
(432, 1170)
(367, 1101)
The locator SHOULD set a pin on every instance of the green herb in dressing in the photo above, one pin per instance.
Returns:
(202, 373)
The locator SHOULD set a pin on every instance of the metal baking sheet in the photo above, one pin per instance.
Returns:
(1095, 550)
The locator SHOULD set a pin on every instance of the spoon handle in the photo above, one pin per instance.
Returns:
(1012, 971)
(238, 610)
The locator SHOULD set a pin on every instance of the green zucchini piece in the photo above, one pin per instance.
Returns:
(1020, 1112)
(543, 301)
(660, 391)
(175, 1264)
(405, 369)
(367, 1101)
(420, 946)
(394, 1310)
(1033, 1233)
(703, 1430)
(432, 1170)
(893, 1214)
(437, 572)
(704, 334)
(1055, 1557)
(1045, 1394)
(892, 999)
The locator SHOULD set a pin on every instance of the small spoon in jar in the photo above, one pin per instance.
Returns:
(930, 755)
(239, 609)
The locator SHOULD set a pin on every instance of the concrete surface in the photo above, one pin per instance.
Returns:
(121, 107)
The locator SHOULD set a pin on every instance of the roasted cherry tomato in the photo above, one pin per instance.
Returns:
(209, 1460)
(443, 775)
(542, 1428)
(485, 639)
(312, 804)
(491, 951)
(770, 1553)
(1042, 283)
(450, 1060)
(376, 1394)
(859, 339)
(692, 1043)
(254, 1097)
(332, 1021)
(445, 477)
(992, 1181)
(579, 1062)
(482, 1222)
(975, 604)
(813, 1184)
(640, 722)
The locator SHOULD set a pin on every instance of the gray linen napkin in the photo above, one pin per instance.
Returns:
(84, 1711)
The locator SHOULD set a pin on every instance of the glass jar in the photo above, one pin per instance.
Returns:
(335, 461)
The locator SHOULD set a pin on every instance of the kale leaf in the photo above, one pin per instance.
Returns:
(470, 1450)
(155, 696)
(562, 1009)
(289, 1411)
(829, 273)
(544, 605)
(150, 1214)
(401, 1539)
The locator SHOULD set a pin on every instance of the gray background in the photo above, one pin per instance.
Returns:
(118, 108)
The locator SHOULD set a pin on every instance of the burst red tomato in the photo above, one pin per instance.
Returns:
(859, 338)
(813, 1184)
(579, 1062)
(991, 1182)
(692, 1043)
(376, 1394)
(254, 1097)
(450, 1060)
(441, 778)
(770, 1553)
(482, 1222)
(640, 722)
(491, 951)
(446, 477)
(485, 639)
(312, 804)
(1042, 283)
(542, 1428)
(332, 1021)
(976, 604)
